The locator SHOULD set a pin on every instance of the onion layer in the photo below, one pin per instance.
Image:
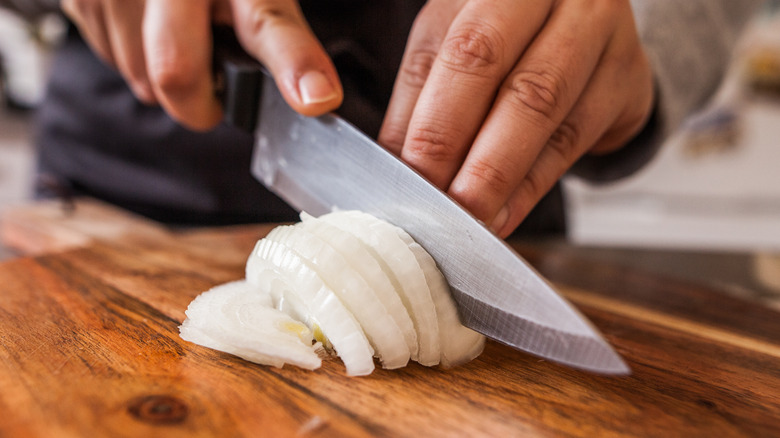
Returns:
(346, 282)
(237, 318)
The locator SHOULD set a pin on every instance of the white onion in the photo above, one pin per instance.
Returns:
(238, 318)
(271, 260)
(355, 293)
(369, 274)
(459, 344)
(360, 286)
(401, 266)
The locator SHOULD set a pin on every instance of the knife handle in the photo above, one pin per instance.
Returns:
(238, 79)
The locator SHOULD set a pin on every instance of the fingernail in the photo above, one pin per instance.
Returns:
(315, 88)
(499, 222)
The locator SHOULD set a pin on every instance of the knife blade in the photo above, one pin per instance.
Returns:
(325, 163)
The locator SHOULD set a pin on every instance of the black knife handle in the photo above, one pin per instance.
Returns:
(238, 79)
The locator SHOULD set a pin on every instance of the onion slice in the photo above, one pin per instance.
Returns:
(368, 269)
(272, 262)
(357, 295)
(382, 240)
(237, 318)
(347, 283)
(459, 344)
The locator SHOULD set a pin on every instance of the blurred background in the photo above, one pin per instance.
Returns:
(707, 208)
(24, 56)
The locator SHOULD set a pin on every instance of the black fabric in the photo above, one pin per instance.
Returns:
(366, 41)
(97, 139)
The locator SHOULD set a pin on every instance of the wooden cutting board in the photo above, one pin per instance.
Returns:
(89, 347)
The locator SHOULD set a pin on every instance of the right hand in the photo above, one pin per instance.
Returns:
(163, 49)
(494, 104)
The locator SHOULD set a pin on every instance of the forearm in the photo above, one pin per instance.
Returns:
(31, 9)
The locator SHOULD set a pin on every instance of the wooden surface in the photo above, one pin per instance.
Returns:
(89, 347)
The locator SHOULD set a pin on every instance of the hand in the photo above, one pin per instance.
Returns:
(163, 49)
(495, 100)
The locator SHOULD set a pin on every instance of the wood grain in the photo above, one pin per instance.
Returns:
(89, 346)
(48, 226)
(651, 291)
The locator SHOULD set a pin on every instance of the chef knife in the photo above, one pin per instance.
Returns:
(321, 164)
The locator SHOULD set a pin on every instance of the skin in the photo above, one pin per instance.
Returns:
(494, 101)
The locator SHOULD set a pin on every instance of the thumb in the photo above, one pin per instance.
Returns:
(276, 33)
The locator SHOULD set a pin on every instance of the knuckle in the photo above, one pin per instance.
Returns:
(474, 48)
(415, 70)
(537, 91)
(489, 177)
(565, 142)
(534, 187)
(171, 73)
(431, 145)
(392, 137)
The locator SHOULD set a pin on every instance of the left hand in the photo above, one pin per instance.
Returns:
(163, 49)
(495, 100)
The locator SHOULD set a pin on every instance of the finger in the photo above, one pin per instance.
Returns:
(127, 45)
(586, 126)
(480, 48)
(177, 44)
(275, 32)
(596, 121)
(530, 106)
(425, 38)
(88, 16)
(581, 129)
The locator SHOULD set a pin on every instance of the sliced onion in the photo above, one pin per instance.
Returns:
(271, 261)
(237, 318)
(358, 285)
(359, 297)
(459, 344)
(382, 240)
(371, 276)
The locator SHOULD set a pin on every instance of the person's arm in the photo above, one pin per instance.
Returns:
(31, 9)
(689, 44)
